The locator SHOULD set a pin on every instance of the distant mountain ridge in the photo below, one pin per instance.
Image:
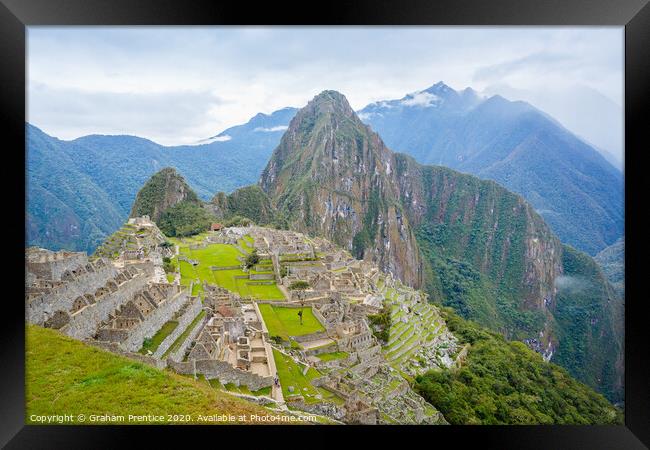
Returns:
(577, 191)
(80, 191)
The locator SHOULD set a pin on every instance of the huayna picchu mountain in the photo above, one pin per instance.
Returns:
(470, 243)
(330, 176)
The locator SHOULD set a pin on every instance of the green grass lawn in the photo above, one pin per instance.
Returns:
(223, 255)
(332, 356)
(65, 376)
(285, 322)
(290, 374)
(153, 344)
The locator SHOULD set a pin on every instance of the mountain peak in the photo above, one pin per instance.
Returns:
(163, 190)
(439, 88)
(330, 101)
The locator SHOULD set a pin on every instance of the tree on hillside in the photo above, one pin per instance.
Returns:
(252, 259)
(299, 285)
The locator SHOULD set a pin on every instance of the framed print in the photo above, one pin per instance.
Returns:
(375, 219)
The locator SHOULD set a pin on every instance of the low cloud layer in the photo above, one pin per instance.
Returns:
(571, 284)
(182, 84)
(271, 129)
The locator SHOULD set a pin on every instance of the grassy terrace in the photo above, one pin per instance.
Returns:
(231, 387)
(222, 255)
(285, 322)
(290, 374)
(65, 376)
(180, 339)
(332, 356)
(153, 343)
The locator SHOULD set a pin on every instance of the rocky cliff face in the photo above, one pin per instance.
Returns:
(331, 176)
(470, 243)
(163, 190)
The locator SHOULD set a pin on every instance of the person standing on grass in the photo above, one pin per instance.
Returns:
(300, 315)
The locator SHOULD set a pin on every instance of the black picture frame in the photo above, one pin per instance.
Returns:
(634, 15)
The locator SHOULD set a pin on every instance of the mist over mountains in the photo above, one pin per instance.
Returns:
(80, 191)
(577, 191)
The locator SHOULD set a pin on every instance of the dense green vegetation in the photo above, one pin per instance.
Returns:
(252, 258)
(612, 261)
(153, 198)
(299, 285)
(381, 323)
(63, 375)
(250, 202)
(184, 219)
(503, 382)
(238, 221)
(472, 294)
(590, 322)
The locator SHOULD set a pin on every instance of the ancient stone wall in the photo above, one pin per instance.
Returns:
(226, 373)
(52, 265)
(84, 323)
(311, 337)
(153, 321)
(324, 409)
(62, 297)
(178, 355)
(188, 316)
(319, 316)
(262, 276)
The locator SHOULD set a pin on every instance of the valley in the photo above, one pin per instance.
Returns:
(325, 289)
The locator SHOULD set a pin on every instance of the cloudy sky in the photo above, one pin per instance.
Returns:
(179, 85)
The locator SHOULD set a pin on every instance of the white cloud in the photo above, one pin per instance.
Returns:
(421, 99)
(271, 129)
(221, 138)
(182, 84)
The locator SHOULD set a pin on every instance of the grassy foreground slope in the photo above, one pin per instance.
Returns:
(65, 376)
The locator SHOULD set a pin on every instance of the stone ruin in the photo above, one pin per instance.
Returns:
(232, 348)
(117, 305)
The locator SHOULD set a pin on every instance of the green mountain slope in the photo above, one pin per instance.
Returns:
(172, 204)
(577, 191)
(503, 382)
(590, 322)
(250, 202)
(612, 261)
(81, 191)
